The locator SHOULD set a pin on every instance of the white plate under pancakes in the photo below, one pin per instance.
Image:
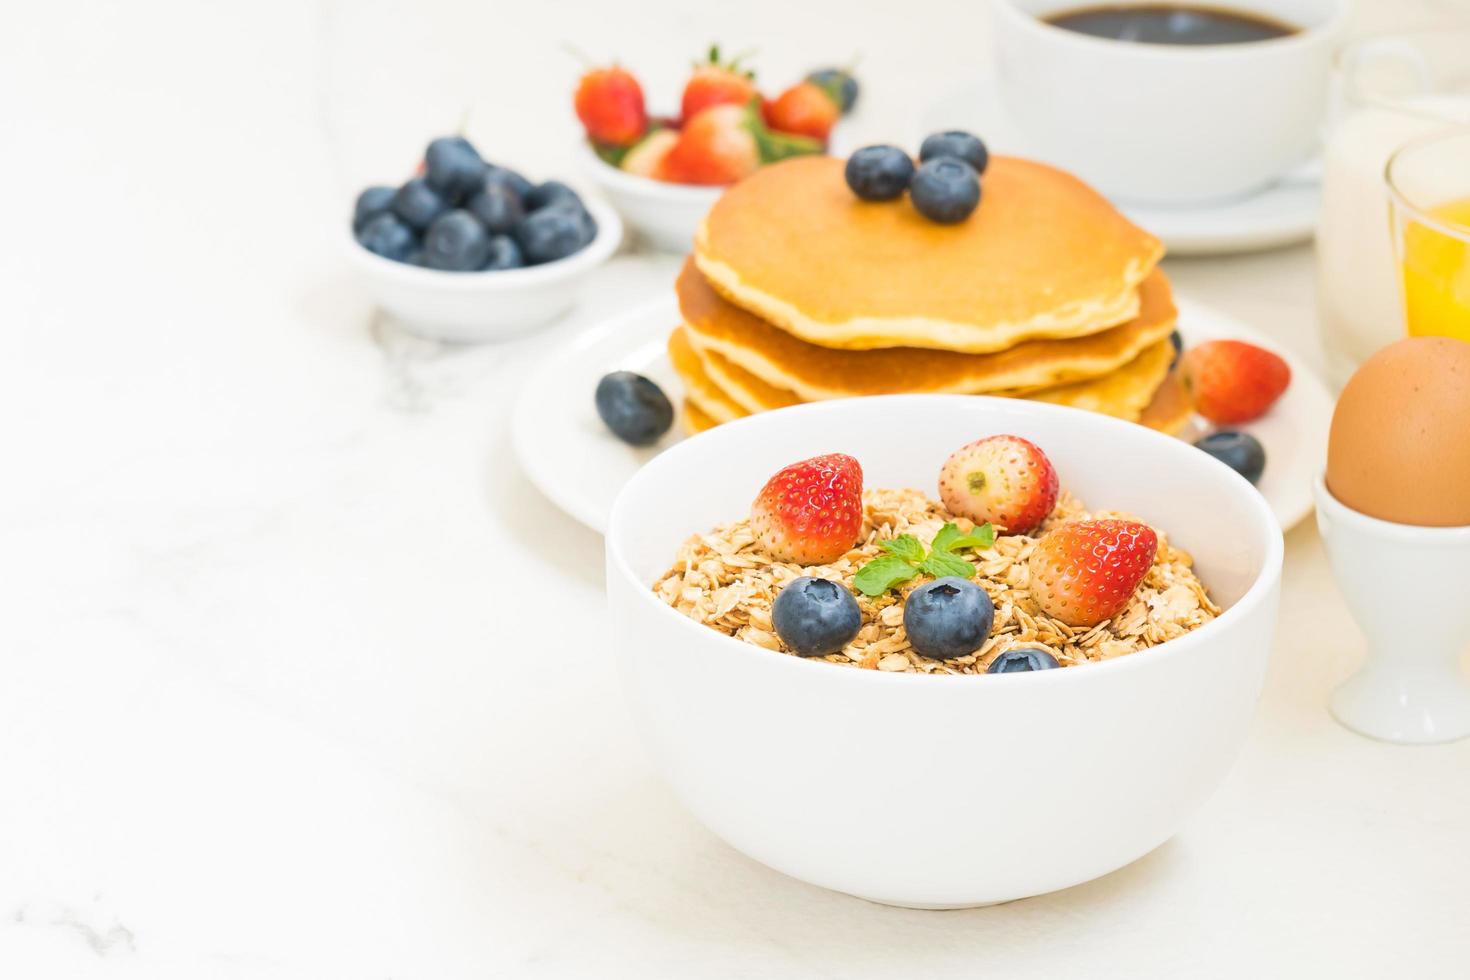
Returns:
(580, 466)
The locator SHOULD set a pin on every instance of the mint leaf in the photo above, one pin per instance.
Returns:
(882, 574)
(905, 546)
(942, 563)
(949, 539)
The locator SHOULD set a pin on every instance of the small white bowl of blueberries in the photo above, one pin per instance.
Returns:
(471, 251)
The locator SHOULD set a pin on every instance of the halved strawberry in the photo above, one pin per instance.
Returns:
(1005, 480)
(609, 101)
(1232, 381)
(716, 83)
(1085, 572)
(805, 108)
(811, 512)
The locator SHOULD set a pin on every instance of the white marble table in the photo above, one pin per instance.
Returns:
(300, 678)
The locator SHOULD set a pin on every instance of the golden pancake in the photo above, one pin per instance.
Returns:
(815, 373)
(1170, 410)
(696, 421)
(699, 390)
(1122, 393)
(1042, 256)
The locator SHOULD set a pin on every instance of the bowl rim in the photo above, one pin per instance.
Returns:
(1265, 585)
(621, 181)
(609, 236)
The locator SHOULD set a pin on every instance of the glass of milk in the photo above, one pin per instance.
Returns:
(1391, 89)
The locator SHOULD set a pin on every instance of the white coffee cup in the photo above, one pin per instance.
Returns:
(1169, 124)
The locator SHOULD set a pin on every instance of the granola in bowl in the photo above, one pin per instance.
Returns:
(728, 579)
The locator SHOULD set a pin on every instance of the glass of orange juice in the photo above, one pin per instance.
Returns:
(1429, 195)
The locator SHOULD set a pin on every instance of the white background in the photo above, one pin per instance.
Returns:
(300, 678)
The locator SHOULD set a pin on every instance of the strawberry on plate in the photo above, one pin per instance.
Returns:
(716, 83)
(609, 101)
(1085, 572)
(1232, 381)
(806, 109)
(1002, 480)
(722, 144)
(811, 512)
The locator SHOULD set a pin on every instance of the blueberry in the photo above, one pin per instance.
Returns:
(1238, 450)
(508, 178)
(551, 192)
(840, 81)
(948, 618)
(385, 235)
(815, 617)
(504, 254)
(958, 144)
(454, 168)
(456, 242)
(371, 203)
(879, 173)
(418, 204)
(1029, 658)
(1178, 342)
(554, 233)
(634, 408)
(497, 207)
(945, 190)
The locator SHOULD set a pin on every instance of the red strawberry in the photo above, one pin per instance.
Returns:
(609, 102)
(717, 146)
(805, 108)
(811, 512)
(1005, 480)
(1232, 381)
(1085, 572)
(716, 83)
(649, 158)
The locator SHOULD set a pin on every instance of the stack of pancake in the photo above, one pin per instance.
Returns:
(799, 291)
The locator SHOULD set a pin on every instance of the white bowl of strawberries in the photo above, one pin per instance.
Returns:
(745, 609)
(663, 173)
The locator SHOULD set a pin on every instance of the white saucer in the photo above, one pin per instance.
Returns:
(1282, 214)
(580, 466)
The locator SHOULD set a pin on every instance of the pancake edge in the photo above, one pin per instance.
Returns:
(1076, 319)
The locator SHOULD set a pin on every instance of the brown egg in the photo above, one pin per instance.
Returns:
(1400, 443)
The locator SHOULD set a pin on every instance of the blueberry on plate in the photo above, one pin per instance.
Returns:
(370, 203)
(879, 173)
(958, 144)
(945, 190)
(497, 207)
(1027, 658)
(947, 618)
(634, 408)
(504, 254)
(456, 242)
(418, 204)
(453, 167)
(389, 237)
(1240, 451)
(840, 81)
(553, 233)
(508, 178)
(549, 193)
(815, 617)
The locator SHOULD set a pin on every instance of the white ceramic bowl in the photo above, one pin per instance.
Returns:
(480, 306)
(943, 791)
(664, 214)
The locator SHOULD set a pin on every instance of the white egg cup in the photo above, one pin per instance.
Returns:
(1407, 588)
